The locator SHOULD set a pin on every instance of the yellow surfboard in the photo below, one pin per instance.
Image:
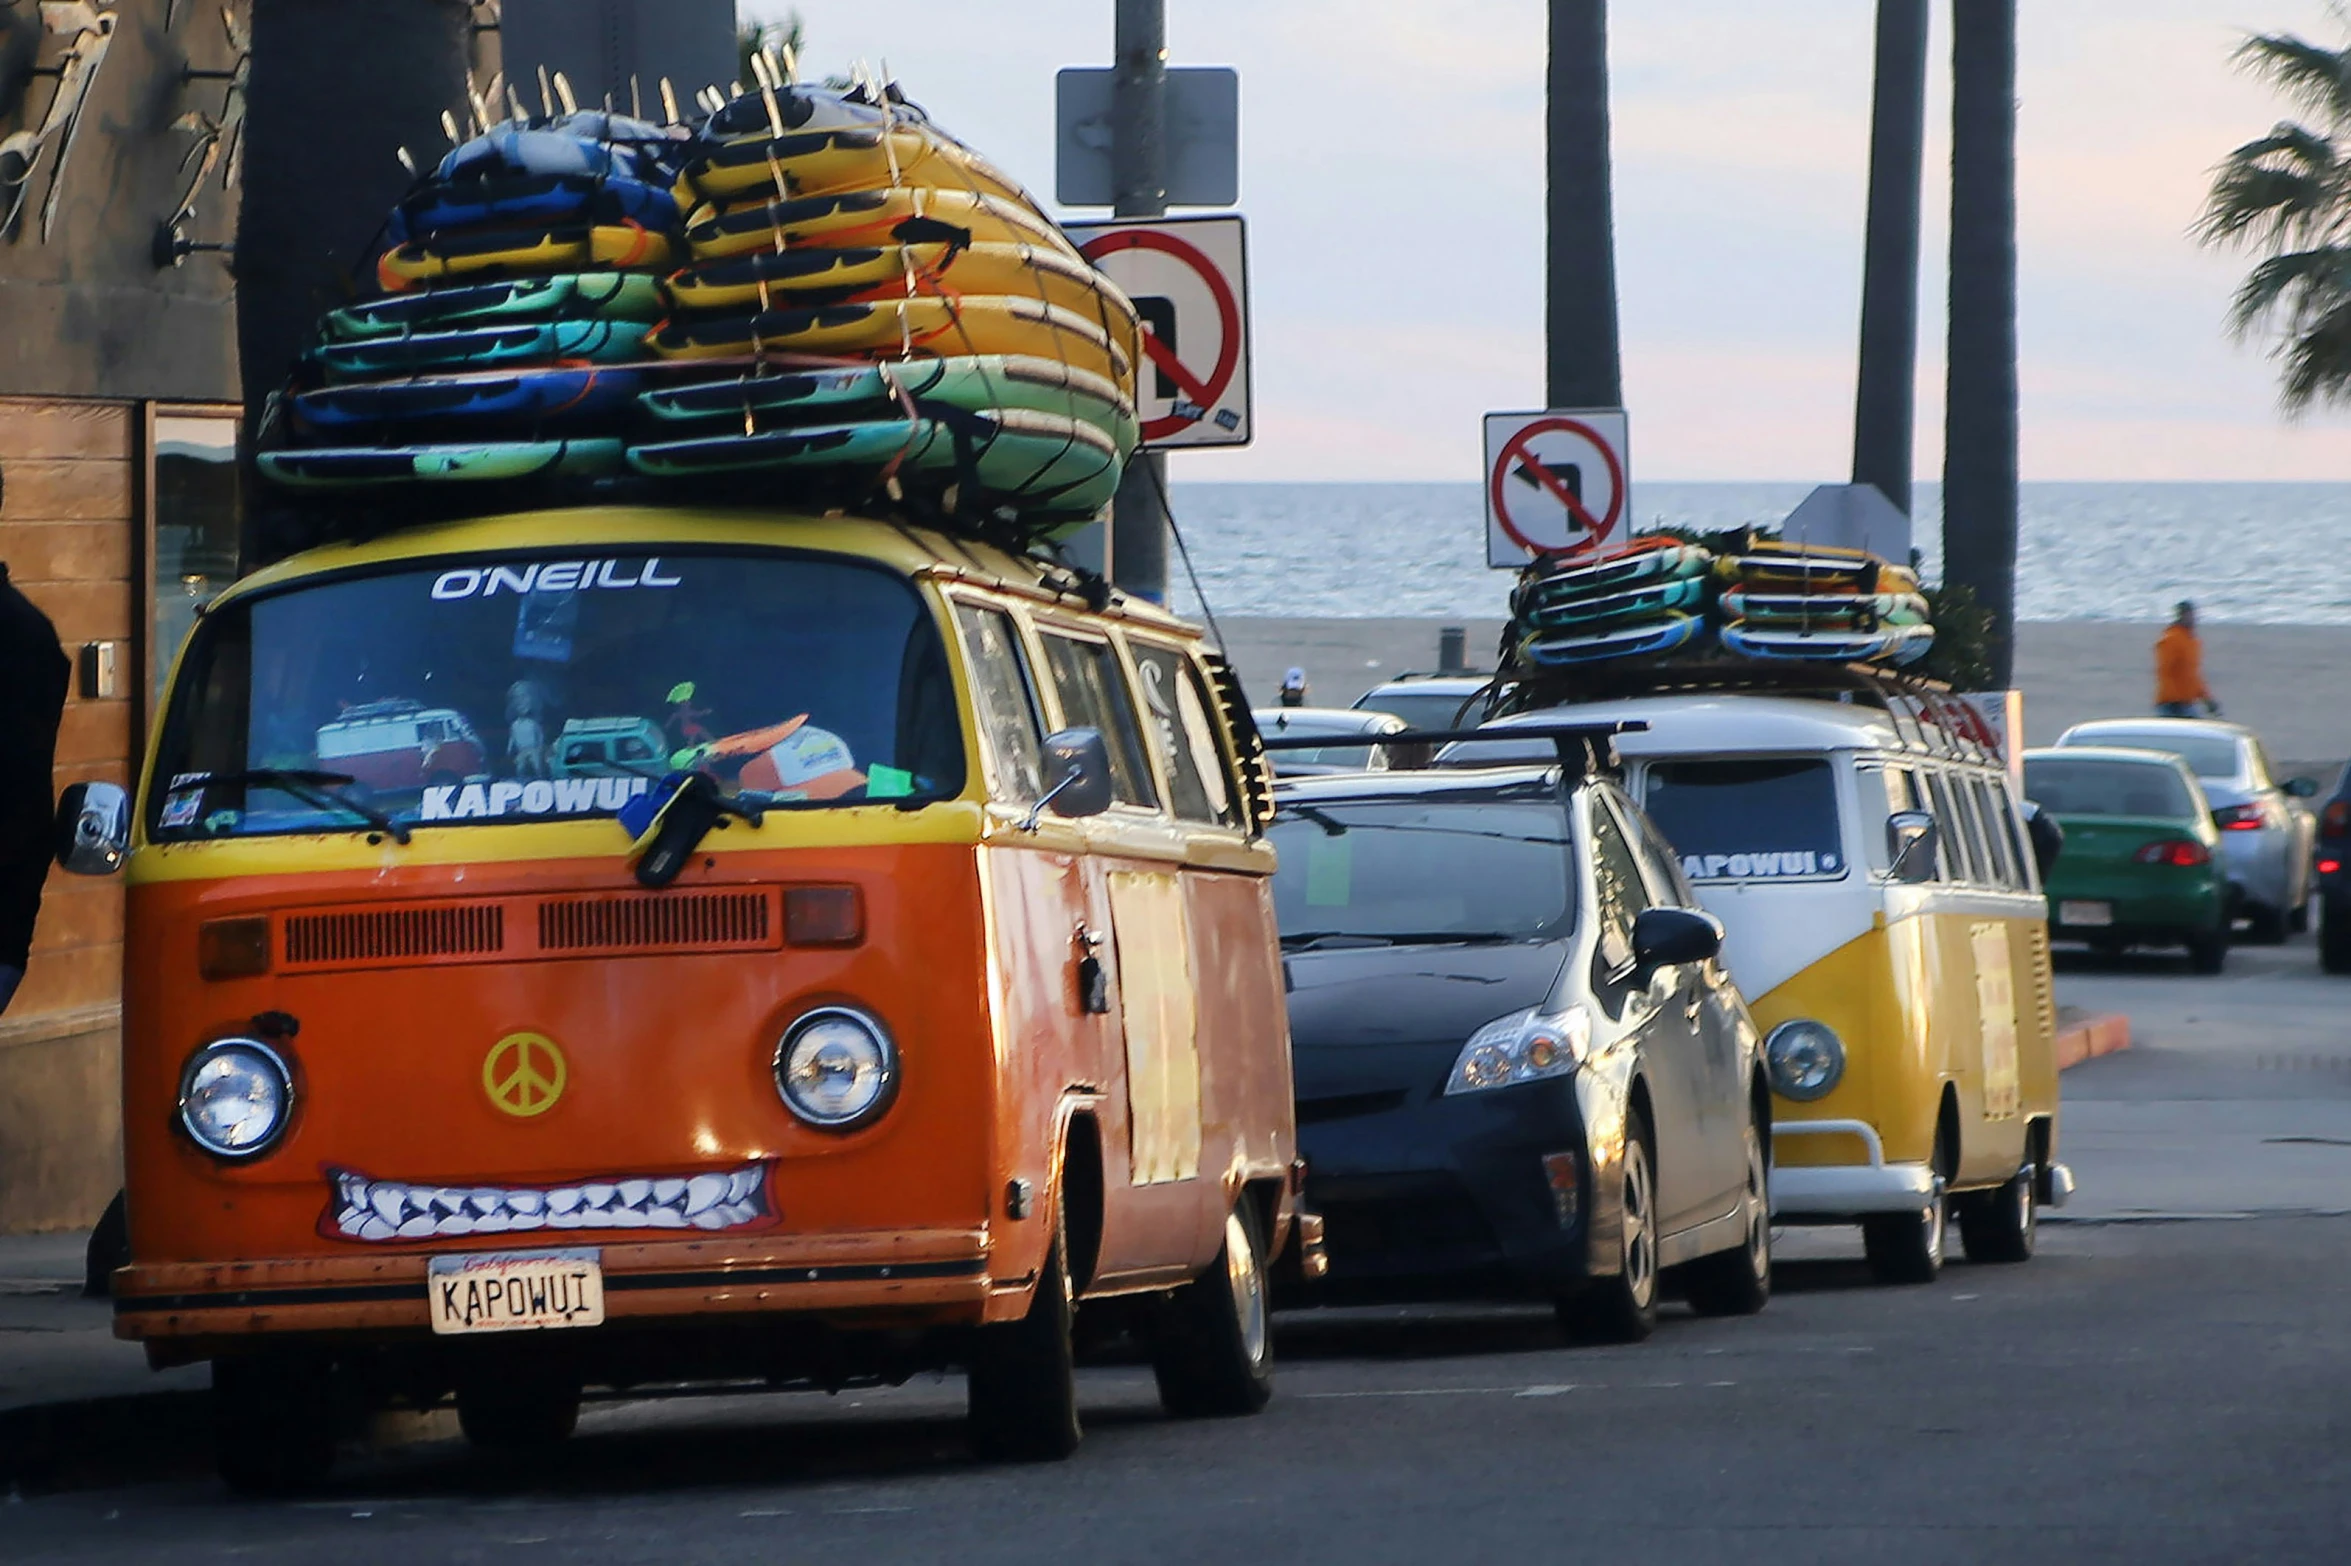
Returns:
(814, 163)
(618, 247)
(865, 217)
(904, 328)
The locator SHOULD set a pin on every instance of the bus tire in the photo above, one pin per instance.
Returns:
(1737, 1282)
(273, 1422)
(1999, 1226)
(1212, 1345)
(1023, 1404)
(1623, 1308)
(518, 1411)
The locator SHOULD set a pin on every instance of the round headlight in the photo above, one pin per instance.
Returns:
(836, 1068)
(1806, 1060)
(236, 1097)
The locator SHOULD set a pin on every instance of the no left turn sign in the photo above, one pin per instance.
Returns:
(1556, 483)
(1189, 278)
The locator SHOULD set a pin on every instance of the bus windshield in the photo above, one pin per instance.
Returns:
(1769, 819)
(535, 687)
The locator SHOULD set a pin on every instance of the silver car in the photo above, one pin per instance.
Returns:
(1430, 701)
(2266, 834)
(1345, 728)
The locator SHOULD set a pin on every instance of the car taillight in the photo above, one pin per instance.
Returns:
(2183, 852)
(2238, 818)
(2335, 820)
(2329, 866)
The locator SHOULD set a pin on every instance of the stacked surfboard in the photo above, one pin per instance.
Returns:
(1646, 601)
(1820, 604)
(1659, 598)
(815, 295)
(506, 339)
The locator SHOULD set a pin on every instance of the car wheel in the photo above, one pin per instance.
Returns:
(2301, 919)
(2334, 939)
(273, 1422)
(1737, 1282)
(2265, 926)
(2208, 950)
(1623, 1308)
(1023, 1405)
(1212, 1348)
(1908, 1247)
(518, 1411)
(2000, 1226)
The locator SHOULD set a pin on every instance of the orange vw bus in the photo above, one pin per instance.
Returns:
(923, 993)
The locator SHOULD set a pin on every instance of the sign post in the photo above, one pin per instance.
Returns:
(1557, 483)
(1189, 278)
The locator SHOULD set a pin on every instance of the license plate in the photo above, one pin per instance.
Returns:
(516, 1291)
(2090, 914)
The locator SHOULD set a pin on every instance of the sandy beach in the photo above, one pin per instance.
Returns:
(2287, 681)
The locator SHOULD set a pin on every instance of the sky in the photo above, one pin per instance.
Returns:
(1392, 175)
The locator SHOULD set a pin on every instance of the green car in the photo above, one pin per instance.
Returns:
(2141, 864)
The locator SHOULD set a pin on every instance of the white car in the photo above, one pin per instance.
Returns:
(2266, 833)
(1345, 728)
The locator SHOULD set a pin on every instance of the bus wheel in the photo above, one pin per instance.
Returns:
(518, 1410)
(1999, 1226)
(1212, 1347)
(1737, 1282)
(273, 1422)
(1623, 1309)
(1024, 1382)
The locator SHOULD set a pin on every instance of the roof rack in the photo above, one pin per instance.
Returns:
(1926, 716)
(1584, 748)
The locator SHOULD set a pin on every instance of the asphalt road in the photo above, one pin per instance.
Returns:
(2154, 1387)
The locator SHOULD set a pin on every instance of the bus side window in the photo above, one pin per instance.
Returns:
(1178, 716)
(1951, 832)
(1006, 702)
(1979, 861)
(1990, 804)
(1094, 695)
(1876, 790)
(2020, 846)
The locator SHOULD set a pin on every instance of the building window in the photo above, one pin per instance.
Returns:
(195, 508)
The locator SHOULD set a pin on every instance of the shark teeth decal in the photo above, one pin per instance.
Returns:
(381, 1210)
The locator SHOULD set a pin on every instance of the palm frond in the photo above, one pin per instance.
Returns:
(2318, 79)
(2290, 181)
(2318, 361)
(2297, 289)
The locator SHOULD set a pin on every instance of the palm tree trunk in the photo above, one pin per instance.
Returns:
(1979, 458)
(337, 87)
(1583, 368)
(1885, 413)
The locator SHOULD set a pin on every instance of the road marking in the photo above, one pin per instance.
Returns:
(1544, 1391)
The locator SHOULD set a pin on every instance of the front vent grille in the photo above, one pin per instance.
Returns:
(395, 935)
(671, 921)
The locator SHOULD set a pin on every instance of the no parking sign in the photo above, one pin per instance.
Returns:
(1189, 278)
(1556, 483)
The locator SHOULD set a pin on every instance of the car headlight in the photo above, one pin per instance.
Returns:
(836, 1068)
(1806, 1060)
(1525, 1046)
(236, 1096)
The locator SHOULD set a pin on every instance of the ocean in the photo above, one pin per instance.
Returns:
(2272, 554)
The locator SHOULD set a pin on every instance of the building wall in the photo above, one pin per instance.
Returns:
(70, 531)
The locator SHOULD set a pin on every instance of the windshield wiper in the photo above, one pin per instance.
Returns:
(1334, 940)
(311, 787)
(1331, 940)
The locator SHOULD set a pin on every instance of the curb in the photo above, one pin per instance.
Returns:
(2092, 1037)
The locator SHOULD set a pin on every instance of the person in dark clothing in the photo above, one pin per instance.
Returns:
(33, 676)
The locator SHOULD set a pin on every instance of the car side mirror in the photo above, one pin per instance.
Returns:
(1910, 845)
(2302, 788)
(1077, 776)
(93, 828)
(1671, 937)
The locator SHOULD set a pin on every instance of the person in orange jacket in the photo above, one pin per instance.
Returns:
(2179, 668)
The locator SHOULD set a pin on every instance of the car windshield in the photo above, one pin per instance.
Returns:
(1748, 820)
(538, 687)
(1488, 866)
(2108, 788)
(1420, 710)
(2207, 755)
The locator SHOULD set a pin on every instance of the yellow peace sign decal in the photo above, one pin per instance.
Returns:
(524, 1074)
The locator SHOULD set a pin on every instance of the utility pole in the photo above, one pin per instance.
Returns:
(1885, 413)
(1137, 545)
(1583, 367)
(1980, 439)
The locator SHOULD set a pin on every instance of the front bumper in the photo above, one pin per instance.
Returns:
(1483, 1193)
(1840, 1193)
(913, 1278)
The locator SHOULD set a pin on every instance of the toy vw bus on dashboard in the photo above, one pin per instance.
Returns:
(1883, 913)
(925, 991)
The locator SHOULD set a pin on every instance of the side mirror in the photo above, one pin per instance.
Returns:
(1077, 774)
(1670, 937)
(1910, 845)
(2302, 788)
(93, 828)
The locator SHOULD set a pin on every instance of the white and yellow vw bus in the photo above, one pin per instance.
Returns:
(1868, 859)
